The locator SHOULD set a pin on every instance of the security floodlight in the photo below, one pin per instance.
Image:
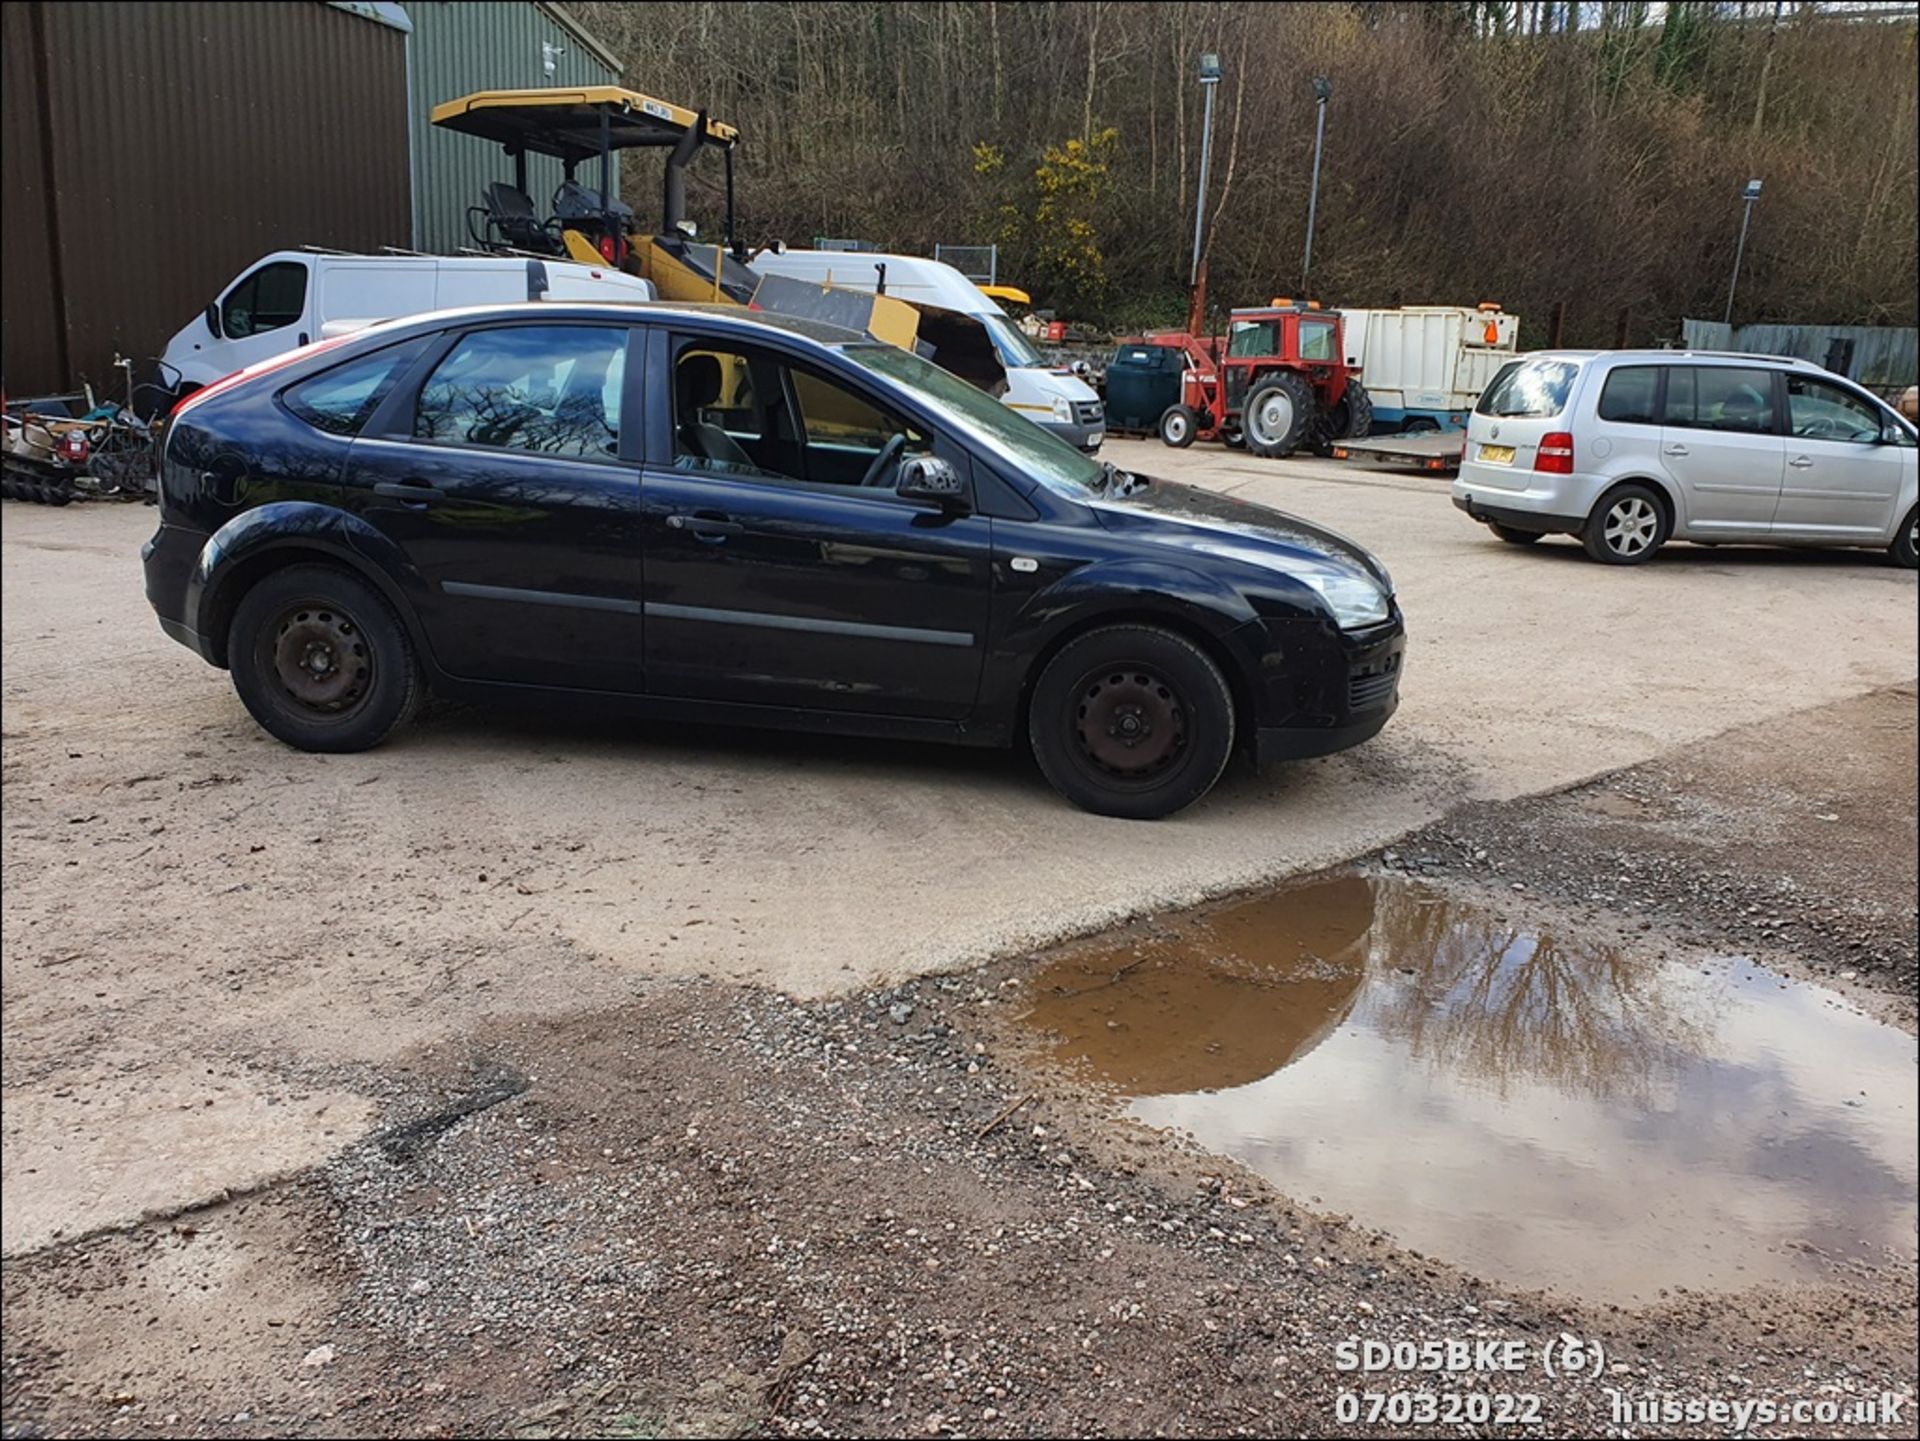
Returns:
(1209, 69)
(1753, 190)
(1322, 89)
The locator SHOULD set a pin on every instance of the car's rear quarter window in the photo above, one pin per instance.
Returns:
(1628, 395)
(340, 400)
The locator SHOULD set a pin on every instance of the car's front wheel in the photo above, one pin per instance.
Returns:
(322, 660)
(1131, 721)
(1906, 540)
(1512, 536)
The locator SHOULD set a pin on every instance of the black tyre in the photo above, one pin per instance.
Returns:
(1904, 539)
(1352, 417)
(1512, 536)
(1131, 721)
(1177, 426)
(1627, 526)
(1233, 437)
(57, 492)
(322, 660)
(1280, 414)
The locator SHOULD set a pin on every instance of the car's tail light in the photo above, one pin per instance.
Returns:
(1556, 453)
(264, 367)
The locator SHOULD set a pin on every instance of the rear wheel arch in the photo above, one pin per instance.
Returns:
(241, 575)
(1662, 492)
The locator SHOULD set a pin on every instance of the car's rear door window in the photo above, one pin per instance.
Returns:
(549, 389)
(340, 400)
(1629, 394)
(1720, 397)
(1531, 388)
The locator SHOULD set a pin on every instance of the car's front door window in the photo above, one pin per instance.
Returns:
(746, 411)
(1817, 410)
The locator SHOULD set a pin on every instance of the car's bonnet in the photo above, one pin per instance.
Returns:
(1185, 515)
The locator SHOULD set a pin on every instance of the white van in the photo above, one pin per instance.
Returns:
(1050, 394)
(294, 297)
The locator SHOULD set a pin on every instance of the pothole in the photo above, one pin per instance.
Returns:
(1538, 1107)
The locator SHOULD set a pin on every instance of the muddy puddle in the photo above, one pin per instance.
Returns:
(1537, 1108)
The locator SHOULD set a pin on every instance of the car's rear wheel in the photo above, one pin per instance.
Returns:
(322, 660)
(1512, 536)
(1906, 539)
(1177, 426)
(1626, 527)
(1131, 721)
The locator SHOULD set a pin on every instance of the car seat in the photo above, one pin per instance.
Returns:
(696, 387)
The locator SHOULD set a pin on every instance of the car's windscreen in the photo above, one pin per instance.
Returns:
(1529, 387)
(1014, 349)
(1036, 452)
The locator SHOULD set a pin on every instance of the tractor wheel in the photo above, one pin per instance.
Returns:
(1177, 425)
(1280, 414)
(1352, 418)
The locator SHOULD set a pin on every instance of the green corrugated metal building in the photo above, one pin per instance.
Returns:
(459, 46)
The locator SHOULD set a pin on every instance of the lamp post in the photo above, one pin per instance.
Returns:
(1209, 78)
(1322, 88)
(1746, 218)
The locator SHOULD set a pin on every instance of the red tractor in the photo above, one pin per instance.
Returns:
(1283, 382)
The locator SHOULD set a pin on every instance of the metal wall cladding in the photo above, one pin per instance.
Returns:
(1885, 357)
(182, 141)
(458, 47)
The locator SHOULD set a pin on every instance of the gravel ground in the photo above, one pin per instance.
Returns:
(716, 1211)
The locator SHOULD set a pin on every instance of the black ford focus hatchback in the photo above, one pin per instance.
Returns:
(710, 514)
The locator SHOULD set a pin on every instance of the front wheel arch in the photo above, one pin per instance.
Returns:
(1209, 644)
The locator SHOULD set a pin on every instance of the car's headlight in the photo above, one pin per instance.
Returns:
(1063, 410)
(1355, 600)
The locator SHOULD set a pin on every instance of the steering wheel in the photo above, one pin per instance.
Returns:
(883, 462)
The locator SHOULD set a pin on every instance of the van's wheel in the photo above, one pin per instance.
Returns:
(322, 660)
(1279, 414)
(1512, 536)
(1627, 526)
(1177, 426)
(1904, 539)
(1131, 721)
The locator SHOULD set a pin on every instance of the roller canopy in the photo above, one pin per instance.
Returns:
(566, 123)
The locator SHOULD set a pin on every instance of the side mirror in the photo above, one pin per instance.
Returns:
(929, 478)
(213, 319)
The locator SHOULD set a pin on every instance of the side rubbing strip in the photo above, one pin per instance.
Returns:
(806, 623)
(541, 597)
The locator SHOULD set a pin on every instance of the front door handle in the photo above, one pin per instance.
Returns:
(411, 494)
(709, 526)
(1674, 450)
(1800, 462)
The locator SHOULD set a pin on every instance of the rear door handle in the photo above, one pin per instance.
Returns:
(1674, 450)
(1800, 462)
(709, 526)
(411, 494)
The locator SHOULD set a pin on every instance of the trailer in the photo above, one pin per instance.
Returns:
(1425, 365)
(1422, 450)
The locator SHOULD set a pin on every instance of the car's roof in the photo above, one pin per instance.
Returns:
(622, 312)
(1667, 357)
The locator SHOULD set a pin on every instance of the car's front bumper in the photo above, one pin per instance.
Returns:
(1320, 689)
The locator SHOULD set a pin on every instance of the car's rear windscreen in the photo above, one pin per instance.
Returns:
(1529, 387)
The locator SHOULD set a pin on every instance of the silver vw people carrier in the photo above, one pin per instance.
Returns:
(1628, 449)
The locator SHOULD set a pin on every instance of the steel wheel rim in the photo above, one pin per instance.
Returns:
(1273, 418)
(1631, 525)
(1129, 723)
(1176, 427)
(321, 659)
